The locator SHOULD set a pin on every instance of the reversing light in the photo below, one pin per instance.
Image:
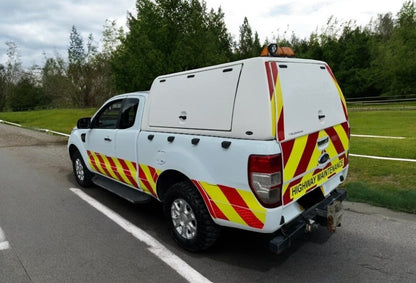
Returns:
(265, 178)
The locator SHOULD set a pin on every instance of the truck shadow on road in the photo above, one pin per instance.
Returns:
(235, 247)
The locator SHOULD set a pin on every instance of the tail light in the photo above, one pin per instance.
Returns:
(265, 178)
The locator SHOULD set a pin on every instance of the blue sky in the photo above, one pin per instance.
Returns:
(43, 26)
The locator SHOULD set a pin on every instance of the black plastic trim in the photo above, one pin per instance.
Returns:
(226, 144)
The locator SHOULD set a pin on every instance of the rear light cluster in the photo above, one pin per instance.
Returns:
(265, 178)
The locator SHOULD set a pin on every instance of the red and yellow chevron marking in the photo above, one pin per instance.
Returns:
(148, 178)
(122, 170)
(313, 179)
(301, 155)
(276, 100)
(341, 96)
(232, 204)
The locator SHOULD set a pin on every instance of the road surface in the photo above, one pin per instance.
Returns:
(49, 234)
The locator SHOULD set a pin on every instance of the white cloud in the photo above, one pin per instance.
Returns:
(274, 17)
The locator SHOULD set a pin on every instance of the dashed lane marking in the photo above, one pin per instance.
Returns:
(175, 262)
(4, 245)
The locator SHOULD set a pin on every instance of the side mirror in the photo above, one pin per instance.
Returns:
(84, 123)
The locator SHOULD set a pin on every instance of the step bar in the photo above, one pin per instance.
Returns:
(126, 192)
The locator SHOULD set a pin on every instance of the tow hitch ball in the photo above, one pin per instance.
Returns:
(311, 226)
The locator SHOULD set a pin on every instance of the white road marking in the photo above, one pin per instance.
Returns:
(54, 132)
(382, 158)
(36, 129)
(378, 137)
(10, 123)
(4, 245)
(175, 262)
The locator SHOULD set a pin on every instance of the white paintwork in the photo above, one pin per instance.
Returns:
(307, 92)
(196, 100)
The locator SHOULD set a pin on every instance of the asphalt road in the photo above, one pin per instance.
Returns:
(49, 234)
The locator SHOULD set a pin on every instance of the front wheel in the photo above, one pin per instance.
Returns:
(190, 223)
(81, 172)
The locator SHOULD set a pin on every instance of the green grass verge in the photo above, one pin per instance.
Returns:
(390, 184)
(384, 123)
(384, 147)
(60, 120)
(384, 196)
(358, 106)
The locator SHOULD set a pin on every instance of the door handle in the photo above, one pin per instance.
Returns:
(321, 116)
(323, 143)
(107, 139)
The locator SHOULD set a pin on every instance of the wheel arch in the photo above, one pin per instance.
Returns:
(72, 149)
(167, 179)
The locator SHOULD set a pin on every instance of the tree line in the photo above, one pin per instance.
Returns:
(167, 36)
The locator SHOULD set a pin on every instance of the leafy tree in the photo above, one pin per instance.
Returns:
(82, 69)
(168, 36)
(2, 87)
(76, 70)
(354, 59)
(76, 52)
(111, 38)
(395, 58)
(56, 84)
(85, 78)
(407, 15)
(13, 71)
(27, 94)
(384, 26)
(249, 44)
(222, 39)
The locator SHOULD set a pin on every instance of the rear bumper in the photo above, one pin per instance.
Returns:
(328, 213)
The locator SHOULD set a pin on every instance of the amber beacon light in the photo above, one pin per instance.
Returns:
(273, 50)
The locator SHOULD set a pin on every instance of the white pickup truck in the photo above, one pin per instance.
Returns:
(259, 144)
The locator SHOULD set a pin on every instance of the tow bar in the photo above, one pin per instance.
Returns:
(326, 213)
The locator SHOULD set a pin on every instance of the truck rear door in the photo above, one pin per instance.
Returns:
(311, 125)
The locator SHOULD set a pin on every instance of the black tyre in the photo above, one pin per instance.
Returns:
(81, 172)
(189, 220)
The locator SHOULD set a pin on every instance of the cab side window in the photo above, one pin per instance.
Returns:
(128, 113)
(108, 117)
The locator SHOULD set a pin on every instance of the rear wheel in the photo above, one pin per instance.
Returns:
(190, 223)
(81, 172)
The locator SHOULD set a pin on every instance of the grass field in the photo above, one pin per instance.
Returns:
(390, 184)
(401, 105)
(60, 120)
